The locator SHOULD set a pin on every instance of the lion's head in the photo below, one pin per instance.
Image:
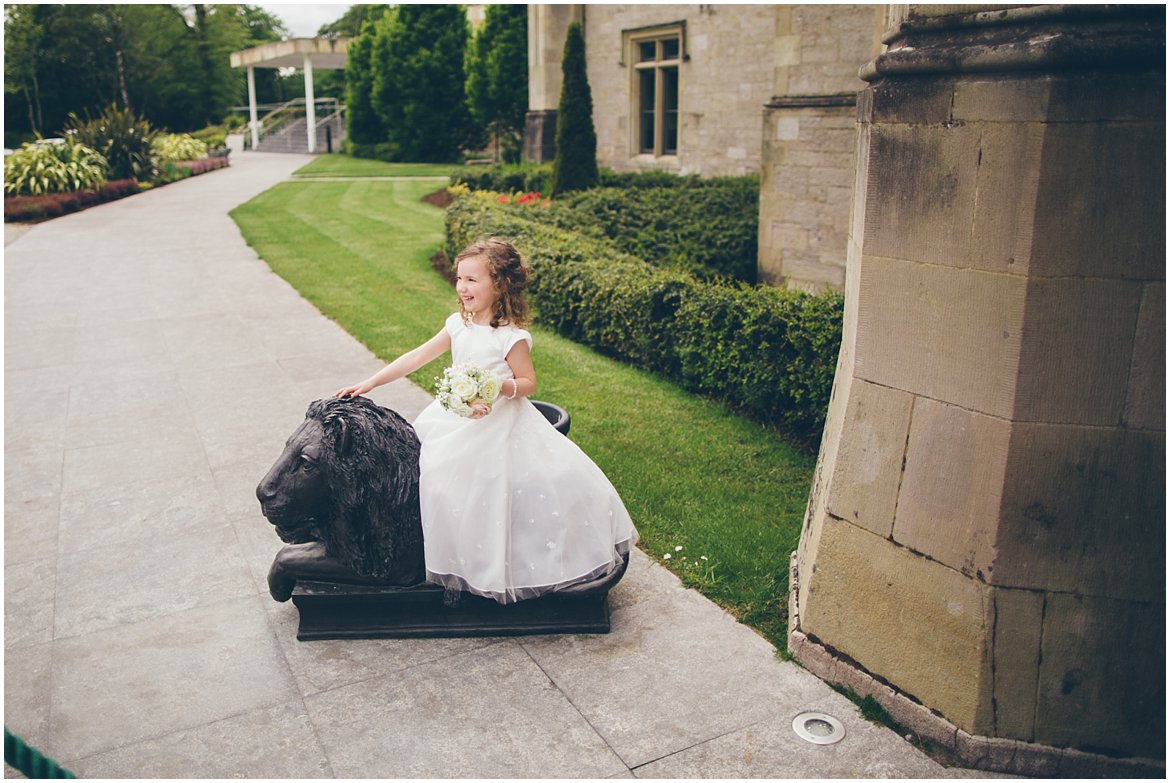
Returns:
(348, 477)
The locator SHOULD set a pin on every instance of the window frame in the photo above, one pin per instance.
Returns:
(631, 54)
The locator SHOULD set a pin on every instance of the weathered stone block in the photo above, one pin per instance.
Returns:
(1145, 401)
(904, 618)
(1001, 99)
(864, 486)
(905, 101)
(948, 507)
(921, 194)
(1075, 350)
(948, 334)
(1083, 510)
(1009, 168)
(1100, 207)
(1094, 692)
(1019, 616)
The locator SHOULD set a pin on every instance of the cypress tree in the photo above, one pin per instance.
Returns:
(575, 167)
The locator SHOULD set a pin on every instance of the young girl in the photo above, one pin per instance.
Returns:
(511, 508)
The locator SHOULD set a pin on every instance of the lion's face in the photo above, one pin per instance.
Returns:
(294, 496)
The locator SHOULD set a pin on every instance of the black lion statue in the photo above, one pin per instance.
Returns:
(344, 497)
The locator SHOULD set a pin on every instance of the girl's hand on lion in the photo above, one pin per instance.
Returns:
(356, 390)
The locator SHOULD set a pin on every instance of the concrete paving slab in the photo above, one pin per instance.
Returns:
(30, 527)
(145, 680)
(659, 682)
(27, 683)
(274, 743)
(490, 714)
(28, 602)
(154, 368)
(133, 514)
(176, 569)
(326, 665)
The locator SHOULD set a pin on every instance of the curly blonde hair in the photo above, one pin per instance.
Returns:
(509, 276)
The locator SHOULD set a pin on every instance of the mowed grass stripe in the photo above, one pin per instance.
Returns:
(692, 473)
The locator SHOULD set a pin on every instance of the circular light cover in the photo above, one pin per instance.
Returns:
(818, 728)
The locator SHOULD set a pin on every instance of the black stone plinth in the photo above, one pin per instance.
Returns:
(338, 611)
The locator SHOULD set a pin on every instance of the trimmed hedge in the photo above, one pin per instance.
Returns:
(709, 231)
(526, 177)
(769, 352)
(707, 227)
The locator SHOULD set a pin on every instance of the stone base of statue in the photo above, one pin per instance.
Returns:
(329, 610)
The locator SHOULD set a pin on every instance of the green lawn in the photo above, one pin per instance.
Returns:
(727, 491)
(338, 165)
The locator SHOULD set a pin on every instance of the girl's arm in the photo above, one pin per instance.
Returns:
(520, 360)
(405, 364)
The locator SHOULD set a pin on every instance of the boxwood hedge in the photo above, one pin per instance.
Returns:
(767, 351)
(708, 227)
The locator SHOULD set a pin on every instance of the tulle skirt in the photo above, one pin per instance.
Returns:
(513, 509)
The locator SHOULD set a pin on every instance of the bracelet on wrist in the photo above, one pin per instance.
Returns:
(515, 389)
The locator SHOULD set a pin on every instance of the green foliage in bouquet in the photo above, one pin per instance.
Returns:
(42, 167)
(170, 147)
(121, 137)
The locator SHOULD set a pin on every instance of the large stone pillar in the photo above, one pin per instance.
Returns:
(984, 547)
(548, 26)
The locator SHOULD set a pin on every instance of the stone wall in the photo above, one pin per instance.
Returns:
(723, 84)
(986, 531)
(809, 137)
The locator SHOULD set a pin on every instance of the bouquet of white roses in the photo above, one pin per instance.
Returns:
(463, 386)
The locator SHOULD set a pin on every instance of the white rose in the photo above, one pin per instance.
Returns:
(459, 407)
(463, 387)
(489, 389)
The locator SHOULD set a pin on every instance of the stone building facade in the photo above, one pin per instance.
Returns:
(724, 90)
(984, 547)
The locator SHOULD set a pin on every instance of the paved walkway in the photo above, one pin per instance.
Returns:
(153, 369)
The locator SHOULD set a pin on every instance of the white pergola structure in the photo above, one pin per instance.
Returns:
(303, 53)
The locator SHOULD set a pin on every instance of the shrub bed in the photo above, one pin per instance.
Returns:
(55, 204)
(769, 352)
(17, 208)
(707, 227)
(203, 166)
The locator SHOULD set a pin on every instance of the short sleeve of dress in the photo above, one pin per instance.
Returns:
(514, 336)
(454, 324)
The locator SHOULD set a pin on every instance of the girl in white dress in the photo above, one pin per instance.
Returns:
(511, 509)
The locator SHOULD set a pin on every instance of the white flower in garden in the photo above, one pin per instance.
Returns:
(666, 556)
(678, 549)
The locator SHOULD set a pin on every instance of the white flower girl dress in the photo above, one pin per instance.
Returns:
(511, 508)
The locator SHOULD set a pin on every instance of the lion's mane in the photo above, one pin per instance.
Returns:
(370, 459)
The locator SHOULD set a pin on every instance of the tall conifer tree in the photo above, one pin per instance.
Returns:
(575, 167)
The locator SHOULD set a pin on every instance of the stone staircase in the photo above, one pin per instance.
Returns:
(293, 137)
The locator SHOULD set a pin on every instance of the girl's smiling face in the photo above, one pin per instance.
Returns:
(474, 285)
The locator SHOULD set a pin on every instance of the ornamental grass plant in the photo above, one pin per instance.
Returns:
(717, 497)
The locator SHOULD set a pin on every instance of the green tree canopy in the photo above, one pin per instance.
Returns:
(497, 76)
(168, 63)
(575, 166)
(418, 82)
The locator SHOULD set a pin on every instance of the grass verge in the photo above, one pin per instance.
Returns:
(718, 499)
(338, 165)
